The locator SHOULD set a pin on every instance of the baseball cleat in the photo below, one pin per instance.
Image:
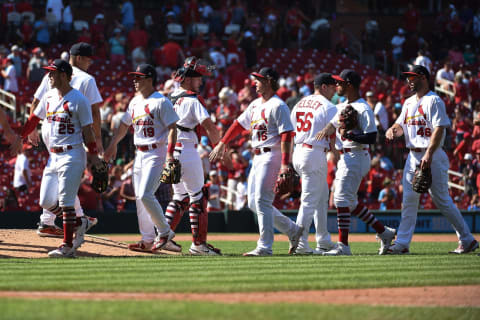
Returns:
(204, 249)
(386, 239)
(80, 233)
(161, 241)
(339, 250)
(257, 253)
(324, 247)
(461, 249)
(45, 230)
(397, 248)
(93, 222)
(169, 246)
(141, 246)
(295, 239)
(304, 250)
(62, 252)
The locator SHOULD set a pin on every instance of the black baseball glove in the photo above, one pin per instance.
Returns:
(285, 182)
(100, 177)
(348, 118)
(172, 172)
(422, 180)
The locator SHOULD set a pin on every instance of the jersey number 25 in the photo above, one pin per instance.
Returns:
(303, 121)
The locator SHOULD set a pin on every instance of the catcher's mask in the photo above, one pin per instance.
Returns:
(193, 68)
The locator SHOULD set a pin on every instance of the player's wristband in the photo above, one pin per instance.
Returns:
(170, 148)
(92, 148)
(31, 124)
(285, 158)
(232, 132)
(286, 136)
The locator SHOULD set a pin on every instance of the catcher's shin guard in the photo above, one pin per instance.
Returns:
(199, 219)
(175, 211)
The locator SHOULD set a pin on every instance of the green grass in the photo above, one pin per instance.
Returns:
(136, 310)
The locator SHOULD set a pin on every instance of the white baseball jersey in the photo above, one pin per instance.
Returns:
(266, 121)
(309, 116)
(81, 81)
(419, 118)
(191, 113)
(66, 116)
(150, 118)
(366, 123)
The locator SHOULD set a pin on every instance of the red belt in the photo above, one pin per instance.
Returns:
(418, 149)
(60, 149)
(309, 146)
(147, 147)
(257, 151)
(350, 149)
(180, 145)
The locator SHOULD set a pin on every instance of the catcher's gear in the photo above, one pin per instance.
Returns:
(100, 177)
(285, 182)
(348, 118)
(172, 172)
(422, 180)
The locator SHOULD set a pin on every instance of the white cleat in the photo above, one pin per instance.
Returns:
(339, 250)
(161, 241)
(301, 250)
(294, 239)
(204, 249)
(397, 248)
(386, 239)
(257, 253)
(80, 233)
(62, 252)
(324, 247)
(171, 246)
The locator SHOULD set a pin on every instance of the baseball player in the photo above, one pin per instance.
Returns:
(190, 107)
(153, 119)
(80, 60)
(354, 163)
(423, 121)
(14, 140)
(309, 116)
(67, 115)
(268, 118)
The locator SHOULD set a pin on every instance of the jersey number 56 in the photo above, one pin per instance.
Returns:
(303, 121)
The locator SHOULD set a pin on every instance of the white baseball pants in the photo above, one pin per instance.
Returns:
(438, 192)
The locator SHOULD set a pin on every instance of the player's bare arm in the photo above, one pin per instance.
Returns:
(89, 137)
(111, 151)
(325, 132)
(394, 131)
(432, 147)
(33, 137)
(97, 126)
(286, 148)
(219, 152)
(172, 140)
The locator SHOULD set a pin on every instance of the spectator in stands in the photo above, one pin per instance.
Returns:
(98, 28)
(226, 112)
(283, 92)
(303, 88)
(218, 58)
(117, 47)
(381, 116)
(139, 56)
(110, 196)
(128, 16)
(461, 124)
(137, 37)
(461, 91)
(42, 33)
(374, 179)
(171, 55)
(294, 98)
(22, 177)
(25, 33)
(10, 77)
(213, 185)
(371, 100)
(474, 203)
(412, 19)
(246, 94)
(387, 196)
(15, 55)
(66, 25)
(423, 60)
(445, 76)
(397, 46)
(127, 193)
(35, 72)
(204, 151)
(455, 55)
(53, 12)
(106, 114)
(241, 196)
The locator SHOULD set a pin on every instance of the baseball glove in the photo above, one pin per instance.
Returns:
(100, 177)
(285, 182)
(422, 180)
(172, 172)
(348, 118)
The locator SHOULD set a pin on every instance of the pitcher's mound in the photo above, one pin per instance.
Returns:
(25, 243)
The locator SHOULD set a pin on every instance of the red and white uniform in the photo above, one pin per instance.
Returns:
(266, 121)
(309, 116)
(64, 119)
(419, 118)
(354, 162)
(150, 119)
(86, 84)
(191, 113)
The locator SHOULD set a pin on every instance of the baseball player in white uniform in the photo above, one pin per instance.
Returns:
(423, 121)
(354, 164)
(80, 59)
(153, 119)
(190, 108)
(268, 118)
(67, 115)
(309, 116)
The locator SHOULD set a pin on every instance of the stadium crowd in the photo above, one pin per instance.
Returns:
(237, 37)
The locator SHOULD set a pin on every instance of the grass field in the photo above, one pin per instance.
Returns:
(430, 265)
